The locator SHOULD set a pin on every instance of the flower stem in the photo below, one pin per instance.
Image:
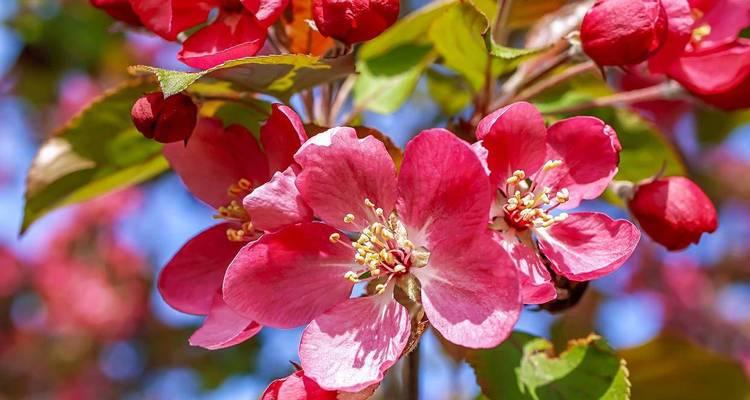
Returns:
(411, 375)
(662, 91)
(554, 80)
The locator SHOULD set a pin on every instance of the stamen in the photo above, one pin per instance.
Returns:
(335, 237)
(551, 164)
(349, 218)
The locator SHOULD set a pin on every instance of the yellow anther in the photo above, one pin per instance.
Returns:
(375, 272)
(562, 196)
(369, 203)
(701, 32)
(399, 268)
(544, 198)
(512, 180)
(408, 244)
(379, 212)
(552, 164)
(349, 218)
(561, 217)
(335, 237)
(380, 288)
(244, 184)
(520, 174)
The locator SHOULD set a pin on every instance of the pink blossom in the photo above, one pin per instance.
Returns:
(538, 170)
(427, 222)
(299, 387)
(227, 169)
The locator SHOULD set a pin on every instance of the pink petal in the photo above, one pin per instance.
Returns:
(194, 275)
(168, 18)
(277, 203)
(590, 152)
(727, 18)
(287, 278)
(296, 387)
(470, 292)
(535, 279)
(231, 36)
(338, 176)
(714, 70)
(515, 137)
(588, 246)
(266, 11)
(444, 192)
(680, 30)
(215, 159)
(223, 328)
(282, 135)
(351, 346)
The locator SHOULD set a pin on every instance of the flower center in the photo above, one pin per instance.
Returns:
(235, 212)
(701, 31)
(528, 206)
(383, 250)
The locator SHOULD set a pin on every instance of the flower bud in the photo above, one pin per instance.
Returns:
(165, 120)
(120, 10)
(353, 21)
(623, 32)
(673, 211)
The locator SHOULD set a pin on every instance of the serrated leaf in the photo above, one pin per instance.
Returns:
(673, 368)
(97, 152)
(386, 81)
(525, 368)
(276, 75)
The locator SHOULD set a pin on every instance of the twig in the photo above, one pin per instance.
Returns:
(554, 80)
(341, 97)
(657, 92)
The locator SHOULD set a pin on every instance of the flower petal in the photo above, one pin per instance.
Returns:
(535, 279)
(590, 152)
(515, 138)
(277, 203)
(168, 18)
(215, 159)
(444, 191)
(223, 328)
(338, 176)
(679, 31)
(266, 11)
(470, 292)
(231, 36)
(296, 387)
(281, 136)
(287, 278)
(727, 18)
(193, 276)
(587, 246)
(351, 346)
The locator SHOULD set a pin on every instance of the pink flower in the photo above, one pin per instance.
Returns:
(299, 387)
(354, 21)
(427, 222)
(538, 170)
(239, 30)
(222, 167)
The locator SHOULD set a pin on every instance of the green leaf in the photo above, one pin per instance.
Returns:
(250, 114)
(512, 54)
(673, 368)
(386, 81)
(451, 93)
(525, 368)
(276, 75)
(457, 37)
(97, 152)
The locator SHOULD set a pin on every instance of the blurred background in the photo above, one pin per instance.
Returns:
(80, 317)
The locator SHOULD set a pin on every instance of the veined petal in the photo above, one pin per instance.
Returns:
(590, 152)
(168, 18)
(444, 192)
(515, 138)
(277, 203)
(535, 279)
(287, 278)
(352, 345)
(194, 275)
(231, 36)
(215, 159)
(223, 328)
(340, 171)
(470, 292)
(281, 136)
(587, 246)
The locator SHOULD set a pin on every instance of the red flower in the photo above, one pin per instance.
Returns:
(673, 211)
(222, 167)
(239, 30)
(538, 170)
(165, 120)
(120, 10)
(353, 21)
(428, 222)
(623, 32)
(299, 387)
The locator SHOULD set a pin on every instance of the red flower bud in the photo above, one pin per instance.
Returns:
(353, 21)
(673, 211)
(165, 120)
(623, 32)
(119, 10)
